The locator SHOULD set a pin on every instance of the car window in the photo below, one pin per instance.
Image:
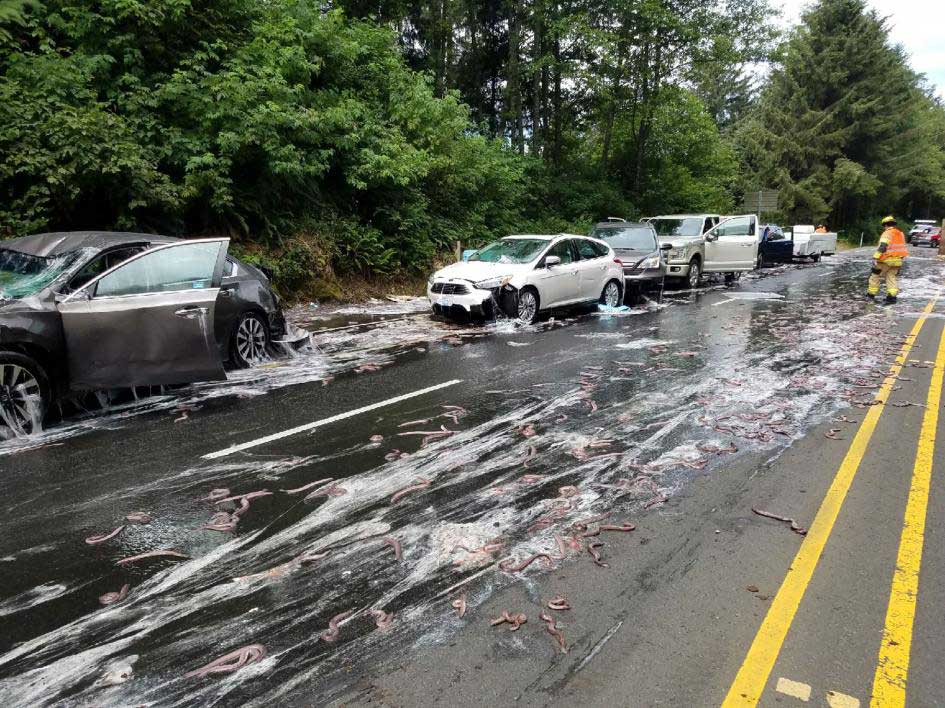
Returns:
(587, 249)
(601, 249)
(738, 226)
(708, 225)
(100, 264)
(188, 266)
(22, 275)
(632, 237)
(666, 226)
(562, 250)
(511, 250)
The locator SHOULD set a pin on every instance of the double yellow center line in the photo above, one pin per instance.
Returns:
(750, 681)
(892, 670)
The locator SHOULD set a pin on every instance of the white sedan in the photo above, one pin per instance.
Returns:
(524, 275)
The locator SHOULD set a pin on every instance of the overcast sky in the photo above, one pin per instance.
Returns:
(919, 25)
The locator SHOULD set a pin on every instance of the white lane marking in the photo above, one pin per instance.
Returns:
(793, 688)
(841, 700)
(326, 421)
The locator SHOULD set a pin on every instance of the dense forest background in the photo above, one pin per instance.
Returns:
(367, 136)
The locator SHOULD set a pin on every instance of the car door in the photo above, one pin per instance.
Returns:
(732, 245)
(592, 268)
(558, 285)
(149, 320)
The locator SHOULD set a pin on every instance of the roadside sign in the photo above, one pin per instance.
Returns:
(764, 200)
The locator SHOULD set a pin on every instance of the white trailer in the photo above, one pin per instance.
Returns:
(808, 243)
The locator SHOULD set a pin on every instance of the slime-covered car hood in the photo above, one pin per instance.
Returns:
(475, 271)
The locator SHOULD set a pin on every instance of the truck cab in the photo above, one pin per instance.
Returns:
(708, 243)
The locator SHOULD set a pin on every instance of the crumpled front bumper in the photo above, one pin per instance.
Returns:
(636, 275)
(475, 302)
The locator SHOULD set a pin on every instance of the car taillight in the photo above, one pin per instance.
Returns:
(618, 261)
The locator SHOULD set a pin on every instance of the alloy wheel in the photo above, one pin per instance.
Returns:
(527, 306)
(612, 294)
(251, 340)
(694, 274)
(21, 400)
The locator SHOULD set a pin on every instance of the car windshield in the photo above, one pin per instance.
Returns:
(678, 227)
(636, 237)
(22, 275)
(511, 250)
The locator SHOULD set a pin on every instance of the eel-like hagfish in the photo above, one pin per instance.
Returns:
(516, 620)
(551, 626)
(233, 661)
(395, 544)
(110, 598)
(795, 527)
(333, 630)
(151, 554)
(95, 540)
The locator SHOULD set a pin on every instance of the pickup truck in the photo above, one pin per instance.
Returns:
(708, 243)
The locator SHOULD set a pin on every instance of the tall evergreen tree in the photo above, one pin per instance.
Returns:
(837, 114)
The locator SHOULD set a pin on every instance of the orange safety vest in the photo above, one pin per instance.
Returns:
(896, 247)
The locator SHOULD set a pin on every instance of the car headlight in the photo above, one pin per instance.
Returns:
(677, 254)
(493, 283)
(651, 262)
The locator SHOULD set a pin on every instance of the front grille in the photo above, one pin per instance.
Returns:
(450, 288)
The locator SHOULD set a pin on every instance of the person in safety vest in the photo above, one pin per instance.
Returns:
(887, 261)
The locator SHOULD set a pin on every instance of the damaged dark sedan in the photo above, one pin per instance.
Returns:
(101, 310)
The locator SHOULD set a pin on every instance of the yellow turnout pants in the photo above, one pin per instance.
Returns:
(890, 273)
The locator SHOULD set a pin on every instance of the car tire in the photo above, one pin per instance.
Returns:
(611, 295)
(815, 258)
(24, 395)
(527, 305)
(249, 343)
(695, 274)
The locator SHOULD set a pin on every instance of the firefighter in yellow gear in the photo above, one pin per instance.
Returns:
(887, 261)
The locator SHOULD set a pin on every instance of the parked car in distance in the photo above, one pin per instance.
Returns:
(637, 249)
(774, 246)
(101, 310)
(813, 244)
(920, 226)
(523, 276)
(707, 243)
(928, 236)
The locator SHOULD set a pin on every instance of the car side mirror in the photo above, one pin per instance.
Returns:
(711, 237)
(551, 261)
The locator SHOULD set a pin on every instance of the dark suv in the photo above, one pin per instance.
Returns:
(100, 310)
(637, 248)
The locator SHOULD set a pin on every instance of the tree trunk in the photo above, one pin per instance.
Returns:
(513, 101)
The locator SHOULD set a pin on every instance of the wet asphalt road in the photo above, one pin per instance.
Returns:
(679, 418)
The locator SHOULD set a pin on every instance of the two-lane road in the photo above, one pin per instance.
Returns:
(441, 458)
